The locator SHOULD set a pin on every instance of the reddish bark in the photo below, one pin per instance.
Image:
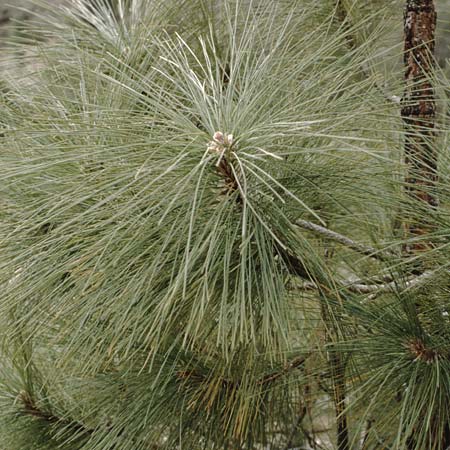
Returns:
(419, 112)
(419, 116)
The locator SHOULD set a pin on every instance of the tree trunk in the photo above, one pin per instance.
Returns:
(419, 114)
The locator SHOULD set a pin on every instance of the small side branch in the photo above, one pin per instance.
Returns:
(410, 283)
(30, 408)
(337, 366)
(297, 426)
(344, 240)
(295, 363)
(339, 395)
(376, 289)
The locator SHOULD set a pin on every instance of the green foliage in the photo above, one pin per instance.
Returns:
(155, 283)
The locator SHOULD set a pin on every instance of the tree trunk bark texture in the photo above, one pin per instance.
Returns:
(419, 116)
(419, 112)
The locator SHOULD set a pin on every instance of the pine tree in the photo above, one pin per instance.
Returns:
(225, 225)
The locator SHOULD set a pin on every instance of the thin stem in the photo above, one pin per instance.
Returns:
(336, 364)
(297, 426)
(344, 240)
(366, 434)
(411, 282)
(29, 407)
(374, 289)
(295, 363)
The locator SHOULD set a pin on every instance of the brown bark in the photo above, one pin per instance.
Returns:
(419, 113)
(419, 116)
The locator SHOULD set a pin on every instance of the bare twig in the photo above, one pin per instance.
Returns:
(337, 366)
(411, 282)
(295, 363)
(344, 240)
(378, 288)
(296, 427)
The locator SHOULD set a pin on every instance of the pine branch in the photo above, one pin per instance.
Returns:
(344, 240)
(296, 266)
(376, 289)
(337, 366)
(295, 363)
(30, 408)
(297, 426)
(304, 410)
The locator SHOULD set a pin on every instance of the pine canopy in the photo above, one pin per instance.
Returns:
(211, 237)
